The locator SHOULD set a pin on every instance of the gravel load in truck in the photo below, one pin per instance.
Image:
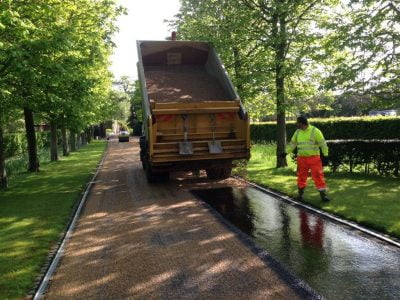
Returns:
(187, 83)
(193, 118)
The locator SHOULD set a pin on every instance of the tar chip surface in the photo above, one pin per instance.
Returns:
(182, 84)
(141, 241)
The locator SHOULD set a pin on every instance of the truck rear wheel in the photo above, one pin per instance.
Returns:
(219, 173)
(143, 151)
(152, 176)
(143, 158)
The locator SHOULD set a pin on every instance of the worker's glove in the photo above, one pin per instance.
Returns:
(283, 155)
(325, 161)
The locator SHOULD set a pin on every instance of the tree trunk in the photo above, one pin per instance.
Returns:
(103, 132)
(64, 141)
(83, 139)
(89, 134)
(3, 173)
(238, 67)
(72, 139)
(279, 33)
(31, 140)
(78, 140)
(53, 142)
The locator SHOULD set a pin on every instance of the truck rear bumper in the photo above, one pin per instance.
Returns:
(191, 165)
(169, 151)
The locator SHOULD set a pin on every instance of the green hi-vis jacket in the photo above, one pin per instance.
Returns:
(308, 142)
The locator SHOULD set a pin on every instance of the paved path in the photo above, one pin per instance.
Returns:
(141, 241)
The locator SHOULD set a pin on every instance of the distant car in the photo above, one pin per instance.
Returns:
(385, 113)
(123, 136)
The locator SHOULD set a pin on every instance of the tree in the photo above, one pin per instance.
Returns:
(270, 48)
(367, 33)
(54, 63)
(289, 29)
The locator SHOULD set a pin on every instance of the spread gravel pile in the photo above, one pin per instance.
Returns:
(182, 84)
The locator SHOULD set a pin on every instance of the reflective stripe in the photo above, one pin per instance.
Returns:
(306, 143)
(308, 148)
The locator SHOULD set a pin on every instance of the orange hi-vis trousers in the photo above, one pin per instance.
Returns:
(313, 163)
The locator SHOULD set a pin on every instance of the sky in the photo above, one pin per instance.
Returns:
(144, 21)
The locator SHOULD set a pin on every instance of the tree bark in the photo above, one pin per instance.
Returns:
(83, 139)
(31, 140)
(238, 67)
(53, 142)
(3, 172)
(64, 141)
(103, 132)
(72, 139)
(78, 140)
(280, 124)
(89, 134)
(279, 33)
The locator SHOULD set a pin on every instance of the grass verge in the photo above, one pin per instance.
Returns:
(34, 211)
(370, 200)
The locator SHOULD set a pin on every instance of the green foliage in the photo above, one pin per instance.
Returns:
(381, 156)
(17, 164)
(363, 38)
(55, 58)
(33, 213)
(244, 34)
(370, 200)
(120, 105)
(335, 129)
(341, 46)
(15, 144)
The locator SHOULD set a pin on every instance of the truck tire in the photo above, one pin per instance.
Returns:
(219, 173)
(143, 143)
(162, 177)
(143, 158)
(153, 177)
(150, 175)
(143, 151)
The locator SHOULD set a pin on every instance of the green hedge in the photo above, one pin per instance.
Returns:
(16, 144)
(381, 156)
(366, 128)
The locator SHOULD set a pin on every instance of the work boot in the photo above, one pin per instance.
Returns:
(324, 198)
(300, 194)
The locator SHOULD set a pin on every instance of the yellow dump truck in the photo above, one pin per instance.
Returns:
(193, 118)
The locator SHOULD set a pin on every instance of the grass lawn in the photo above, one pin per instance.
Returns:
(370, 200)
(33, 213)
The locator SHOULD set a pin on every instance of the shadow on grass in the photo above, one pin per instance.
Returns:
(33, 213)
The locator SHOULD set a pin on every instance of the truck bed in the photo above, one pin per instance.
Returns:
(182, 83)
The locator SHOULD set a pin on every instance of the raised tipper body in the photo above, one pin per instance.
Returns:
(192, 116)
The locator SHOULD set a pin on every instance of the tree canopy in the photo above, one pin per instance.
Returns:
(291, 57)
(54, 59)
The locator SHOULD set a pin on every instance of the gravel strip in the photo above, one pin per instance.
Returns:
(140, 241)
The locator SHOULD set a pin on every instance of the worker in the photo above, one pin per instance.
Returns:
(309, 140)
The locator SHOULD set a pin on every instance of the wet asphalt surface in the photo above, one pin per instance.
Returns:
(335, 260)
